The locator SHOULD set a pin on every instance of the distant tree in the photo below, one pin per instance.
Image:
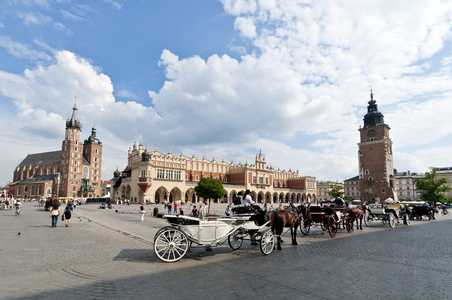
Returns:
(336, 189)
(433, 188)
(210, 188)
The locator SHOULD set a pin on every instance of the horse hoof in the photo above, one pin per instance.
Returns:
(294, 243)
(279, 248)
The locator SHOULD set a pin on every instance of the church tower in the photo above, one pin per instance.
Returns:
(376, 169)
(92, 163)
(71, 157)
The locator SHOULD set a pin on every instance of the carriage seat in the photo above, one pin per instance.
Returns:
(242, 209)
(316, 209)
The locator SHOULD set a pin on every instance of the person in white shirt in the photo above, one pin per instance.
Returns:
(246, 199)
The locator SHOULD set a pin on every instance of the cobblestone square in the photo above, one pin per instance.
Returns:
(107, 254)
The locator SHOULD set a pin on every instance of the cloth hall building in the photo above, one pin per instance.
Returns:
(155, 177)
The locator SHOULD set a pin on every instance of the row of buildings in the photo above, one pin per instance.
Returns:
(75, 171)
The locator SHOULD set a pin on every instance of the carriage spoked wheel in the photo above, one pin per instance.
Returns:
(170, 244)
(235, 240)
(324, 225)
(332, 226)
(305, 227)
(391, 220)
(367, 218)
(267, 243)
(349, 224)
(406, 219)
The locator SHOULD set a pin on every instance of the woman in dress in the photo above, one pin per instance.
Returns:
(68, 213)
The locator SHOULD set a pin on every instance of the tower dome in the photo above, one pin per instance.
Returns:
(373, 116)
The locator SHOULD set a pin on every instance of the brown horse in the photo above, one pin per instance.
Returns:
(356, 214)
(280, 219)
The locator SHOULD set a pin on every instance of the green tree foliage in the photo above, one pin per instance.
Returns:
(210, 188)
(336, 189)
(433, 188)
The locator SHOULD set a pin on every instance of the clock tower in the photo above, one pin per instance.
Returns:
(376, 169)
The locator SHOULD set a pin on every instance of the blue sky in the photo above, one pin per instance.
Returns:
(228, 78)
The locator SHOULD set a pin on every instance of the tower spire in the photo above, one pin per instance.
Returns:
(74, 122)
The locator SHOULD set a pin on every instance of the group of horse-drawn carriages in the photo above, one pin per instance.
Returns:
(171, 243)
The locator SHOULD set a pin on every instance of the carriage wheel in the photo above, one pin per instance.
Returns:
(171, 244)
(324, 225)
(349, 224)
(406, 220)
(367, 218)
(332, 226)
(391, 220)
(267, 242)
(305, 227)
(235, 240)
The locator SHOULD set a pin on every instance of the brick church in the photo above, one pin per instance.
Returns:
(376, 170)
(73, 171)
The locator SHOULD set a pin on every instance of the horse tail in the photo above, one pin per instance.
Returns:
(275, 223)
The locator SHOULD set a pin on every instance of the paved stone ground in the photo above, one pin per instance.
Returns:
(106, 254)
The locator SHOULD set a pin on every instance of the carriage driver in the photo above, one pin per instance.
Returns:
(338, 201)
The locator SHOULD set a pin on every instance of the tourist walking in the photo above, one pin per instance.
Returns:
(68, 213)
(55, 212)
(175, 207)
(169, 208)
(142, 211)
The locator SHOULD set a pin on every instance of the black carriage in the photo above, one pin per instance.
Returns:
(327, 216)
(422, 211)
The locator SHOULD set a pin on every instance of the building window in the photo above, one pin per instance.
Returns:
(366, 172)
(254, 179)
(97, 151)
(177, 174)
(186, 176)
(143, 173)
(197, 177)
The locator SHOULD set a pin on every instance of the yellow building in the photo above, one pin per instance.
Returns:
(155, 177)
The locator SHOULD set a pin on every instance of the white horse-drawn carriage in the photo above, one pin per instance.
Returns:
(171, 243)
(386, 212)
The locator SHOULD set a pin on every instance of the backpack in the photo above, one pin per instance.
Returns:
(237, 200)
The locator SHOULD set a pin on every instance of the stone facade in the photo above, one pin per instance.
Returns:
(323, 187)
(351, 188)
(156, 177)
(446, 173)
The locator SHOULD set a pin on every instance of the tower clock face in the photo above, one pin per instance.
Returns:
(371, 132)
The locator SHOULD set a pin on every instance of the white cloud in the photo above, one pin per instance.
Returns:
(31, 18)
(22, 51)
(115, 4)
(245, 26)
